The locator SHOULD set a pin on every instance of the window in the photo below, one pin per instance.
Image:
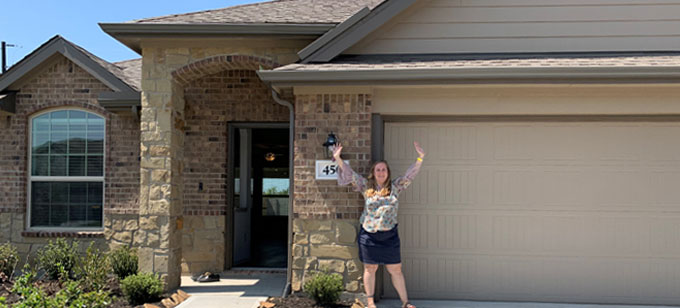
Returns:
(66, 182)
(275, 192)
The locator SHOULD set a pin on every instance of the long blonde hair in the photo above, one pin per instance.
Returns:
(372, 185)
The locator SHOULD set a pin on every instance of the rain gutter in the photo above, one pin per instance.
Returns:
(291, 152)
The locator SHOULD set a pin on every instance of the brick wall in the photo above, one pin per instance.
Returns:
(63, 84)
(326, 215)
(211, 102)
(349, 117)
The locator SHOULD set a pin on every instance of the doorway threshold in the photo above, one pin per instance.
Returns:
(255, 270)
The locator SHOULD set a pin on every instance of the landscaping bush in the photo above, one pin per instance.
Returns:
(31, 295)
(8, 259)
(124, 262)
(57, 255)
(92, 269)
(142, 288)
(72, 295)
(324, 288)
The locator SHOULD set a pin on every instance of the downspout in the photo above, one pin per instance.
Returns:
(291, 152)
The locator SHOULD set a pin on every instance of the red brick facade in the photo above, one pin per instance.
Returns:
(349, 117)
(64, 84)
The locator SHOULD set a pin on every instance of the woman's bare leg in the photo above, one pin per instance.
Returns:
(369, 282)
(398, 280)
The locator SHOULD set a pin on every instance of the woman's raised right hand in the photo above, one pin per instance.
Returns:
(336, 151)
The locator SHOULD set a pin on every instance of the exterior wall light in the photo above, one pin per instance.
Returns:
(329, 145)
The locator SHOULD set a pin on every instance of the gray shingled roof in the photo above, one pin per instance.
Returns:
(401, 62)
(278, 11)
(130, 71)
(124, 76)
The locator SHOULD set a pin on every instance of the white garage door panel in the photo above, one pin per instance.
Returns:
(541, 211)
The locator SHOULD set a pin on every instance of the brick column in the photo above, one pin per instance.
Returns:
(159, 239)
(326, 215)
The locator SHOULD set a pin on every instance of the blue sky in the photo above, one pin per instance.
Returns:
(29, 23)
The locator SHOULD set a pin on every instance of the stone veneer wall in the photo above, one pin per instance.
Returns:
(165, 74)
(321, 245)
(212, 102)
(326, 215)
(64, 84)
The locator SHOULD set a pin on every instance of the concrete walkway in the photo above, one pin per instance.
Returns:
(233, 291)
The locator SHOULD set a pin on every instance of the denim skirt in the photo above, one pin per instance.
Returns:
(382, 247)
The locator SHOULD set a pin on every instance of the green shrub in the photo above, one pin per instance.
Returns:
(92, 269)
(94, 299)
(324, 288)
(56, 255)
(142, 288)
(124, 262)
(31, 296)
(71, 295)
(24, 283)
(8, 259)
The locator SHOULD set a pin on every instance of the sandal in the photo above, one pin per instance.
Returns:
(208, 277)
(370, 305)
(408, 305)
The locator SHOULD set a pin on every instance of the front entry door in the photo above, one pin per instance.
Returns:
(260, 167)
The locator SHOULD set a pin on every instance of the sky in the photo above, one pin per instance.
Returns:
(29, 23)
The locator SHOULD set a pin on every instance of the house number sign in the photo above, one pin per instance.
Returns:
(327, 170)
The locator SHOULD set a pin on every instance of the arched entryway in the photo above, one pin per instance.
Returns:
(229, 115)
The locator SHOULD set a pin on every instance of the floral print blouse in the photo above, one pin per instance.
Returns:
(380, 213)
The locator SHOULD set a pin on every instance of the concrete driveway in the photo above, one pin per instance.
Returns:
(393, 303)
(247, 290)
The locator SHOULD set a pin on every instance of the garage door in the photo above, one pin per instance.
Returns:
(541, 210)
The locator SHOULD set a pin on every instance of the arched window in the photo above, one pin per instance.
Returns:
(66, 182)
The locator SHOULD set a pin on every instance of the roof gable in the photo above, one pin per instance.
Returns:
(352, 30)
(522, 26)
(109, 74)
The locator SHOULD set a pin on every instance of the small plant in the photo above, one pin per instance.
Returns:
(324, 288)
(94, 299)
(57, 255)
(124, 262)
(31, 296)
(8, 259)
(72, 295)
(24, 283)
(142, 288)
(92, 269)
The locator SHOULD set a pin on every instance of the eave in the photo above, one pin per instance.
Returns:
(131, 34)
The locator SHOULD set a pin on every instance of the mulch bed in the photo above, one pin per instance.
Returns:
(298, 301)
(51, 287)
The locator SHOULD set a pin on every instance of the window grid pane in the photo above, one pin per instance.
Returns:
(66, 204)
(67, 143)
(61, 134)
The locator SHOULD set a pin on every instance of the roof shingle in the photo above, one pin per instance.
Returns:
(401, 62)
(277, 11)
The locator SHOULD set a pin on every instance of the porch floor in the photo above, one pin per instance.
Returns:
(233, 290)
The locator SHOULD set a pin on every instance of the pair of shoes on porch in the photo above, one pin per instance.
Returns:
(208, 277)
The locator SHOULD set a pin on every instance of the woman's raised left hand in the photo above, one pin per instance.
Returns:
(419, 149)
